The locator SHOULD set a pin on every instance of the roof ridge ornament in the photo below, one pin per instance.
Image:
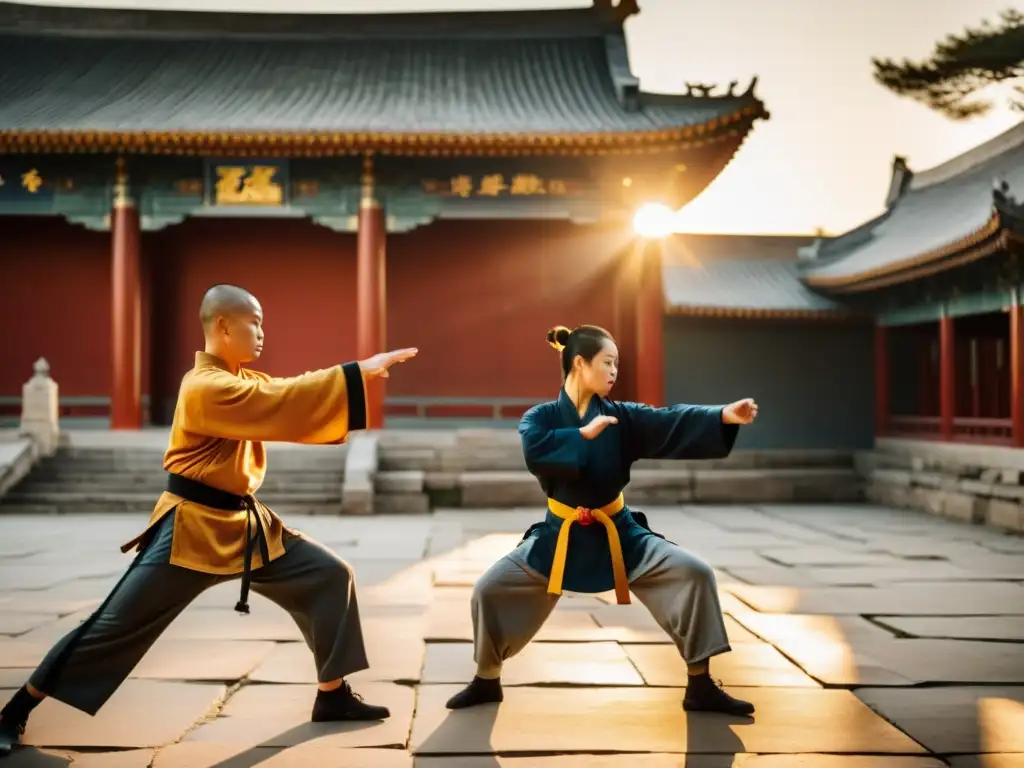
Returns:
(620, 11)
(1003, 199)
(707, 91)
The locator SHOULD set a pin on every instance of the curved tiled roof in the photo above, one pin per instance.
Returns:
(943, 211)
(738, 275)
(519, 82)
(534, 86)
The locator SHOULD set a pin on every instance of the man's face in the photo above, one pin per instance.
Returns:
(243, 333)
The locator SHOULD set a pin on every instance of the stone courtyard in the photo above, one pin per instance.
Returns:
(867, 637)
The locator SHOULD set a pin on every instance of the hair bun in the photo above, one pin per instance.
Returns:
(558, 337)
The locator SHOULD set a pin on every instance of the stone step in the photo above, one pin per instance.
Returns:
(118, 501)
(8, 507)
(118, 485)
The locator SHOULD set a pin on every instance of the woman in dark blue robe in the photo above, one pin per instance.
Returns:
(581, 448)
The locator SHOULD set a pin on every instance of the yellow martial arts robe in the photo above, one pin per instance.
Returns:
(220, 424)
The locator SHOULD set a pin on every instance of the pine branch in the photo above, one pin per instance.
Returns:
(960, 67)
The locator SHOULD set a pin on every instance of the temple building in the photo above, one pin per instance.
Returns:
(940, 271)
(454, 181)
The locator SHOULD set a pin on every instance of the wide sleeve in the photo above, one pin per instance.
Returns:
(678, 432)
(551, 452)
(320, 407)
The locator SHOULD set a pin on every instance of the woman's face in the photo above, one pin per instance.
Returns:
(600, 373)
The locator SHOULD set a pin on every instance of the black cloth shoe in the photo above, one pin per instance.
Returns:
(705, 695)
(344, 704)
(479, 691)
(10, 736)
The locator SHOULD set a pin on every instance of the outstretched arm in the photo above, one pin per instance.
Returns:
(320, 407)
(685, 431)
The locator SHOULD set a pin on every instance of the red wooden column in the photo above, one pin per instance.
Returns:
(650, 327)
(1017, 370)
(882, 381)
(371, 290)
(126, 347)
(947, 376)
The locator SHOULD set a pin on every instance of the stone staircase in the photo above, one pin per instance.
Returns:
(420, 470)
(976, 484)
(301, 480)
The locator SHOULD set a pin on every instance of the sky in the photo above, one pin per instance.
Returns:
(823, 159)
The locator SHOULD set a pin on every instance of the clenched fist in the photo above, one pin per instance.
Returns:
(741, 412)
(377, 366)
(597, 426)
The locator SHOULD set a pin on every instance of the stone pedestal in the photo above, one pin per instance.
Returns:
(39, 411)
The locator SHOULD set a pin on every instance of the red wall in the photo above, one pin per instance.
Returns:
(477, 297)
(55, 302)
(302, 274)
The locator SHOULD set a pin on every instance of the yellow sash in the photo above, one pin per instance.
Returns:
(604, 516)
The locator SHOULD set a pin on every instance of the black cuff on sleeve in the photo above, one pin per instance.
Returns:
(356, 396)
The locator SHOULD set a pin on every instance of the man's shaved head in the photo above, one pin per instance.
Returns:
(232, 323)
(225, 301)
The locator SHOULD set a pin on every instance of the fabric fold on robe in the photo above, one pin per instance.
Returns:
(221, 422)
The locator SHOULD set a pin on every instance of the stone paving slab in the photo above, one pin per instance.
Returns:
(278, 716)
(836, 650)
(202, 755)
(12, 623)
(961, 720)
(652, 720)
(142, 713)
(634, 624)
(973, 628)
(51, 758)
(13, 677)
(265, 622)
(795, 628)
(682, 761)
(903, 572)
(449, 619)
(988, 761)
(949, 599)
(591, 664)
(746, 665)
(394, 648)
(825, 556)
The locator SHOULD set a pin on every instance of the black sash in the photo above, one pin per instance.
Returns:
(207, 496)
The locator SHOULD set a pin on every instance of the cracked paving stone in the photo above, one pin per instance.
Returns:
(968, 599)
(959, 628)
(634, 624)
(788, 720)
(962, 720)
(682, 761)
(746, 665)
(53, 758)
(201, 755)
(586, 664)
(278, 716)
(142, 713)
(394, 648)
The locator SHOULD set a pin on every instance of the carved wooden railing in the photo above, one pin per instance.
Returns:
(965, 429)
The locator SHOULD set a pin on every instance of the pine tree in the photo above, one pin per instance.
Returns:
(950, 80)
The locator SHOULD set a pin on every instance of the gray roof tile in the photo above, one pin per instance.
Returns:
(721, 273)
(458, 86)
(942, 206)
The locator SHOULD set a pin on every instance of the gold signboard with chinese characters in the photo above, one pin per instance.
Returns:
(248, 184)
(497, 185)
(23, 183)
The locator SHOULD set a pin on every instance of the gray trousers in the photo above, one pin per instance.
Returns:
(309, 581)
(510, 604)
